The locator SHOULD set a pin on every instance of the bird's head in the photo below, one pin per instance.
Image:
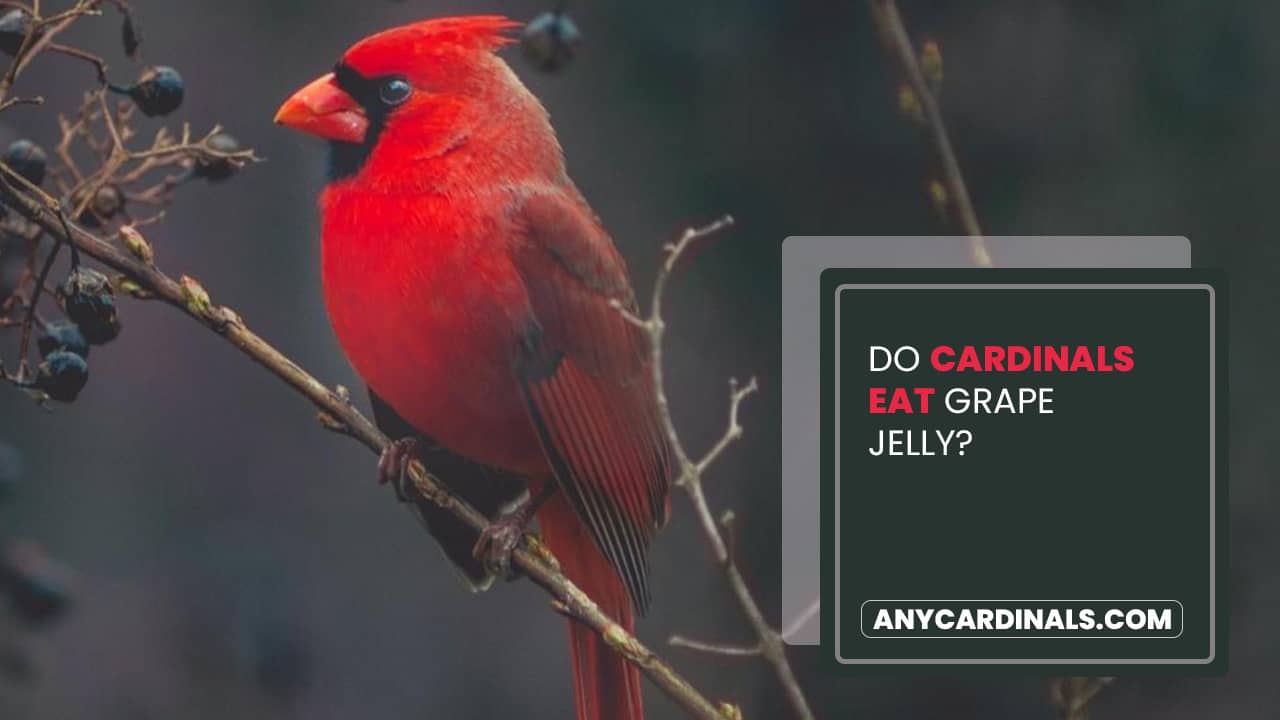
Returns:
(433, 78)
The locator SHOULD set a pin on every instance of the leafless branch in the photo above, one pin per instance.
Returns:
(1071, 695)
(744, 650)
(769, 641)
(714, 649)
(918, 98)
(802, 619)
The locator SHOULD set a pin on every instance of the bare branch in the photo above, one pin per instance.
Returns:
(37, 100)
(98, 63)
(802, 619)
(1071, 695)
(897, 43)
(655, 326)
(770, 644)
(734, 430)
(714, 648)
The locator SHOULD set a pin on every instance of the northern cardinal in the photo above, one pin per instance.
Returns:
(473, 289)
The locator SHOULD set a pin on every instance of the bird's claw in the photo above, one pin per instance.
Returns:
(393, 466)
(498, 541)
(504, 534)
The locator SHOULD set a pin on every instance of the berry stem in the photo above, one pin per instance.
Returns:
(28, 321)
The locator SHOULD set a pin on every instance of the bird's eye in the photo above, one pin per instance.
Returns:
(394, 91)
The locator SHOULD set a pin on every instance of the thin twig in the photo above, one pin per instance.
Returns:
(98, 63)
(897, 43)
(802, 619)
(37, 100)
(714, 648)
(733, 431)
(1072, 695)
(769, 643)
(28, 322)
(747, 651)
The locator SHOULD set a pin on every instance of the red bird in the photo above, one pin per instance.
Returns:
(473, 289)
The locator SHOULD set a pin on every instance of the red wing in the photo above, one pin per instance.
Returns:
(586, 380)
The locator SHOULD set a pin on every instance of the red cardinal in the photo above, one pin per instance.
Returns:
(473, 289)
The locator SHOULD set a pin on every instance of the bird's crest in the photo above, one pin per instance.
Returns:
(438, 37)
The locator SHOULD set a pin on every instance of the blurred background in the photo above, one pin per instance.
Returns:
(232, 559)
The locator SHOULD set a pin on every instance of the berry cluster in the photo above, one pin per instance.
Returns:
(97, 179)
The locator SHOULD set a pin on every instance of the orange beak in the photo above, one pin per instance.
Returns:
(323, 109)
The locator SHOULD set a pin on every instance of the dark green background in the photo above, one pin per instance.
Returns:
(1107, 498)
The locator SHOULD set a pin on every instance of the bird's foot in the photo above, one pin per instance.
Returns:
(498, 541)
(393, 466)
(503, 535)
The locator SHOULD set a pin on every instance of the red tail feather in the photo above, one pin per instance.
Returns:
(606, 687)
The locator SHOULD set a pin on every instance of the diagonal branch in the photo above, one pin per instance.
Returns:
(1071, 695)
(146, 281)
(897, 43)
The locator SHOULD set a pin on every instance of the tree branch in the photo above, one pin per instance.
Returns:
(897, 43)
(1072, 695)
(769, 643)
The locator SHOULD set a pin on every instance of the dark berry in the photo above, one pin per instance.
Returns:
(28, 160)
(10, 470)
(158, 91)
(13, 264)
(218, 169)
(108, 201)
(280, 657)
(88, 300)
(550, 41)
(62, 375)
(62, 335)
(38, 601)
(38, 588)
(130, 37)
(14, 26)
